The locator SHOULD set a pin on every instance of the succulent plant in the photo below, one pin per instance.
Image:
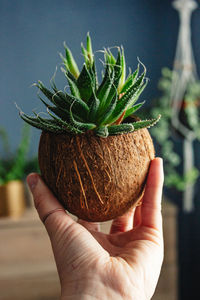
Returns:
(92, 106)
(93, 159)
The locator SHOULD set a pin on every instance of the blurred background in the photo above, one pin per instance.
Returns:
(31, 37)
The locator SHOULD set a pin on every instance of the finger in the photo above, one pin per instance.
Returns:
(137, 217)
(151, 207)
(50, 211)
(89, 225)
(123, 223)
(149, 213)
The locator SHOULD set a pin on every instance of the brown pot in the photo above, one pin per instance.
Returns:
(96, 179)
(12, 199)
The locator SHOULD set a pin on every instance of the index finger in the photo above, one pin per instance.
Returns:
(151, 206)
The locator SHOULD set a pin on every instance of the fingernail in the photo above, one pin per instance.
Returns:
(32, 181)
(161, 160)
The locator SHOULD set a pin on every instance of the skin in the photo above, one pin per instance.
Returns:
(124, 264)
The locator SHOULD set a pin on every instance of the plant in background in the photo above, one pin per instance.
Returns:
(15, 166)
(163, 133)
(93, 156)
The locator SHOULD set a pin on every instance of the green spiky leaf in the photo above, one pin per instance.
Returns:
(145, 123)
(80, 125)
(70, 62)
(89, 49)
(93, 105)
(85, 84)
(73, 85)
(109, 110)
(133, 109)
(123, 72)
(130, 80)
(102, 131)
(129, 98)
(120, 129)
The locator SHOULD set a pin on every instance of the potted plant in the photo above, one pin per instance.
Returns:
(167, 138)
(93, 155)
(13, 169)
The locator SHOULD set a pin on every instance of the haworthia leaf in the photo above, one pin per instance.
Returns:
(119, 129)
(94, 105)
(45, 91)
(47, 125)
(65, 125)
(104, 90)
(145, 123)
(111, 58)
(89, 49)
(67, 74)
(130, 80)
(133, 109)
(117, 74)
(85, 55)
(93, 73)
(62, 113)
(118, 69)
(123, 72)
(53, 97)
(108, 111)
(106, 84)
(81, 125)
(102, 131)
(128, 99)
(73, 86)
(85, 84)
(110, 86)
(80, 107)
(138, 93)
(70, 62)
(58, 102)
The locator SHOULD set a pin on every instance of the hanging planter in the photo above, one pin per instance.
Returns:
(180, 110)
(168, 138)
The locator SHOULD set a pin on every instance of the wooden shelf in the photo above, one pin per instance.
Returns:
(28, 270)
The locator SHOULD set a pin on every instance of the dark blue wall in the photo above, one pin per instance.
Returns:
(32, 33)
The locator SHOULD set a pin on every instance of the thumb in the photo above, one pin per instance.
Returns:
(72, 244)
(50, 211)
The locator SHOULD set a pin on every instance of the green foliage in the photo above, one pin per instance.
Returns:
(16, 166)
(89, 105)
(163, 132)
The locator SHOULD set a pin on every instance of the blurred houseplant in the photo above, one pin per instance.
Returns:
(167, 137)
(13, 169)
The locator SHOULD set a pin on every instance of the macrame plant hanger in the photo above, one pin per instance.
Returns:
(184, 72)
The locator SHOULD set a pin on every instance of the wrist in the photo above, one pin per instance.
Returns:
(95, 290)
(84, 289)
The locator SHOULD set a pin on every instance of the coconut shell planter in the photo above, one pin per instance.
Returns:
(94, 153)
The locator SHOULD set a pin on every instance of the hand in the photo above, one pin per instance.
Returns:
(124, 264)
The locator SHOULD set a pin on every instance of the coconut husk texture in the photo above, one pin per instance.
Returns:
(97, 179)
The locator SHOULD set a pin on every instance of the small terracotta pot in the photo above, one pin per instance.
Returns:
(12, 199)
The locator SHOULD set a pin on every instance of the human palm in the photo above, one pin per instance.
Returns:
(124, 264)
